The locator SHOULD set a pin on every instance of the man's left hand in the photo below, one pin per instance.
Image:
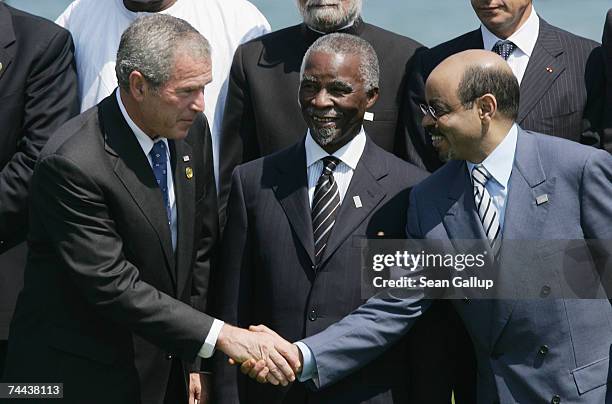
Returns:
(198, 388)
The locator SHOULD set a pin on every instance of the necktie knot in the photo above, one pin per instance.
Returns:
(504, 48)
(480, 175)
(329, 165)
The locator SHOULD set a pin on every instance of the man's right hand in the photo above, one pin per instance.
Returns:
(263, 345)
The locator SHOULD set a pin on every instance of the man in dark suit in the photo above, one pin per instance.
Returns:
(606, 42)
(560, 74)
(124, 221)
(290, 256)
(256, 124)
(38, 93)
(507, 188)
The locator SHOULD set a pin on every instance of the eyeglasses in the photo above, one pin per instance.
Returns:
(429, 110)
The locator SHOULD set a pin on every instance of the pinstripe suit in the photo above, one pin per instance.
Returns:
(269, 274)
(561, 91)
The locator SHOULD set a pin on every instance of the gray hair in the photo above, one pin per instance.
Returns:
(346, 44)
(151, 43)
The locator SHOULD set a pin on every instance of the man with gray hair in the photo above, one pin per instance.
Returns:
(256, 124)
(287, 254)
(124, 224)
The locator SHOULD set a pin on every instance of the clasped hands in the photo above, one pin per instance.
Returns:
(261, 353)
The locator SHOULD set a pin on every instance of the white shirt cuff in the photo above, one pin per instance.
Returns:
(208, 349)
(309, 367)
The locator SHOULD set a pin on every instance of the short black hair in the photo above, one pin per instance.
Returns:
(478, 81)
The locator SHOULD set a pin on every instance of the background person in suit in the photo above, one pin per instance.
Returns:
(256, 124)
(606, 42)
(288, 255)
(38, 92)
(124, 222)
(534, 187)
(560, 74)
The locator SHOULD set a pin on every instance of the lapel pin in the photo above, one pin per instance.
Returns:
(380, 234)
(369, 116)
(549, 69)
(542, 199)
(0, 66)
(185, 158)
(357, 201)
(189, 173)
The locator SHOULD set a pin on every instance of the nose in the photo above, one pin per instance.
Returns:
(428, 121)
(322, 100)
(197, 104)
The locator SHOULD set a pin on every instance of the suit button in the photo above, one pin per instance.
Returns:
(312, 315)
(545, 291)
(543, 350)
(1, 242)
(314, 268)
(555, 399)
(169, 357)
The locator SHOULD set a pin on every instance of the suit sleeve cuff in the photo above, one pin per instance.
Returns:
(208, 348)
(309, 366)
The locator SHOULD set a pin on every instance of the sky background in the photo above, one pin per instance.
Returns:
(428, 21)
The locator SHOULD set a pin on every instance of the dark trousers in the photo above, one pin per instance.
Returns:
(176, 392)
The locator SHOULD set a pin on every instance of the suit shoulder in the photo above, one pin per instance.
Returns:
(563, 153)
(26, 24)
(438, 181)
(572, 39)
(432, 57)
(271, 39)
(391, 39)
(73, 139)
(401, 171)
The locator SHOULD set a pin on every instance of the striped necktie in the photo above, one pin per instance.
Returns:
(489, 217)
(504, 48)
(325, 204)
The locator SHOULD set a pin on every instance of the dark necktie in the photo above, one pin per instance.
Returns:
(325, 204)
(504, 48)
(159, 164)
(487, 212)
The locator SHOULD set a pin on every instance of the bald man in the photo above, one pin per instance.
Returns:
(535, 187)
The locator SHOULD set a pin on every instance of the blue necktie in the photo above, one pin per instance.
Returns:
(159, 160)
(504, 48)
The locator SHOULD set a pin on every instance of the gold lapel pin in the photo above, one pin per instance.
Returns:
(189, 173)
(549, 69)
(0, 66)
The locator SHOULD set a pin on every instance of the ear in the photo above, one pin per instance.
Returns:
(372, 97)
(487, 107)
(138, 85)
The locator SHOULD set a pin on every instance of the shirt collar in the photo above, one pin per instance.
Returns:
(524, 38)
(349, 154)
(499, 162)
(145, 142)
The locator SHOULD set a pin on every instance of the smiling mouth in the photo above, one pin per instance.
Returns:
(436, 140)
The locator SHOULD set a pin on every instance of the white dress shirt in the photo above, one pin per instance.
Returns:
(96, 27)
(146, 143)
(524, 38)
(499, 164)
(349, 156)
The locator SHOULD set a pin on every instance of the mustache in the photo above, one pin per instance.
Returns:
(326, 113)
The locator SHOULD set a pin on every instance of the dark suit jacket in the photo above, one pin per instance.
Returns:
(606, 42)
(269, 274)
(38, 93)
(106, 302)
(262, 115)
(565, 100)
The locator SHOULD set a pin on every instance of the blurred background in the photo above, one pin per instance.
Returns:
(428, 21)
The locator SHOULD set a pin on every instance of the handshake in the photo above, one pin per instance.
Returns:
(261, 353)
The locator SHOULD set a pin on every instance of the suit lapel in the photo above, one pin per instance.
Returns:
(458, 210)
(134, 171)
(543, 68)
(364, 184)
(524, 220)
(291, 190)
(184, 190)
(7, 50)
